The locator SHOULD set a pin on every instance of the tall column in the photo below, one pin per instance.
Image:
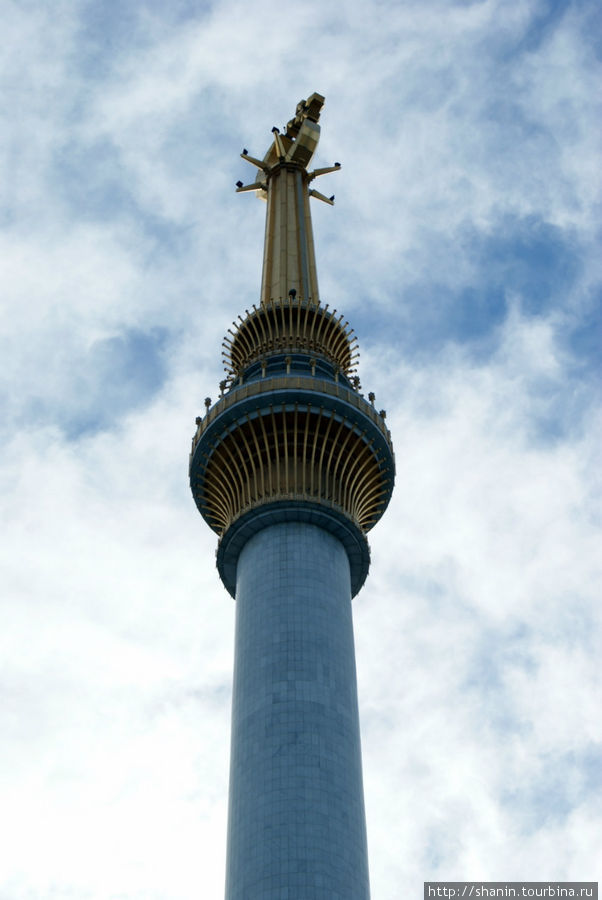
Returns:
(296, 816)
(291, 467)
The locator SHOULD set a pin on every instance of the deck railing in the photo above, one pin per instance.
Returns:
(290, 382)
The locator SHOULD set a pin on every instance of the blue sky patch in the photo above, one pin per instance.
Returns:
(531, 258)
(92, 184)
(534, 263)
(117, 375)
(437, 316)
(565, 781)
(547, 18)
(583, 339)
(110, 30)
(91, 181)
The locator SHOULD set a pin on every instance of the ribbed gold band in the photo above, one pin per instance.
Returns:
(291, 325)
(303, 453)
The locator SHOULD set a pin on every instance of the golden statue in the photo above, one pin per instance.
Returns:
(289, 265)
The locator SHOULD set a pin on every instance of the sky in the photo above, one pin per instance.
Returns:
(464, 248)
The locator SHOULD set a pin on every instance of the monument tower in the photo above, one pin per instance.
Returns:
(291, 467)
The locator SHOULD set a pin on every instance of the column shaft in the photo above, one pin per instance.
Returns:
(296, 819)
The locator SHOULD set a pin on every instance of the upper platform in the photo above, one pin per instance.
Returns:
(293, 325)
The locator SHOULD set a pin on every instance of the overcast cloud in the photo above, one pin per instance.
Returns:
(464, 248)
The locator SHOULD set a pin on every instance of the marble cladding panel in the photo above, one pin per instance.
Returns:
(296, 818)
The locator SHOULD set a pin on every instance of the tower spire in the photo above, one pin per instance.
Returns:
(289, 263)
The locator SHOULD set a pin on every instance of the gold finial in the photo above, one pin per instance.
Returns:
(306, 109)
(296, 145)
(283, 180)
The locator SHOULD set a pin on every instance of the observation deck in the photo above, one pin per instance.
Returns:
(291, 436)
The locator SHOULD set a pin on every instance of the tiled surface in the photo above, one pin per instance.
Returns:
(296, 820)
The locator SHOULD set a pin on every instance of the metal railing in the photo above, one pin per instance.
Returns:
(289, 382)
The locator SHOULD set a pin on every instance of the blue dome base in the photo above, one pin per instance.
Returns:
(324, 515)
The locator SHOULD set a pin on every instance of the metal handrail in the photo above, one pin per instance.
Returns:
(282, 382)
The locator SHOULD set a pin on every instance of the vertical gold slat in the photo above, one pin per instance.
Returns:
(313, 451)
(339, 457)
(359, 471)
(304, 458)
(290, 319)
(242, 336)
(214, 479)
(241, 431)
(237, 473)
(354, 471)
(314, 319)
(220, 506)
(371, 482)
(260, 318)
(282, 328)
(339, 340)
(347, 459)
(370, 504)
(234, 351)
(229, 485)
(335, 441)
(259, 457)
(241, 472)
(268, 317)
(267, 454)
(285, 438)
(324, 443)
(276, 449)
(347, 339)
(255, 329)
(298, 316)
(305, 309)
(323, 320)
(327, 336)
(215, 510)
(369, 515)
(295, 451)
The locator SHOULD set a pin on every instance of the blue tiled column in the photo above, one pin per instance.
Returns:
(296, 827)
